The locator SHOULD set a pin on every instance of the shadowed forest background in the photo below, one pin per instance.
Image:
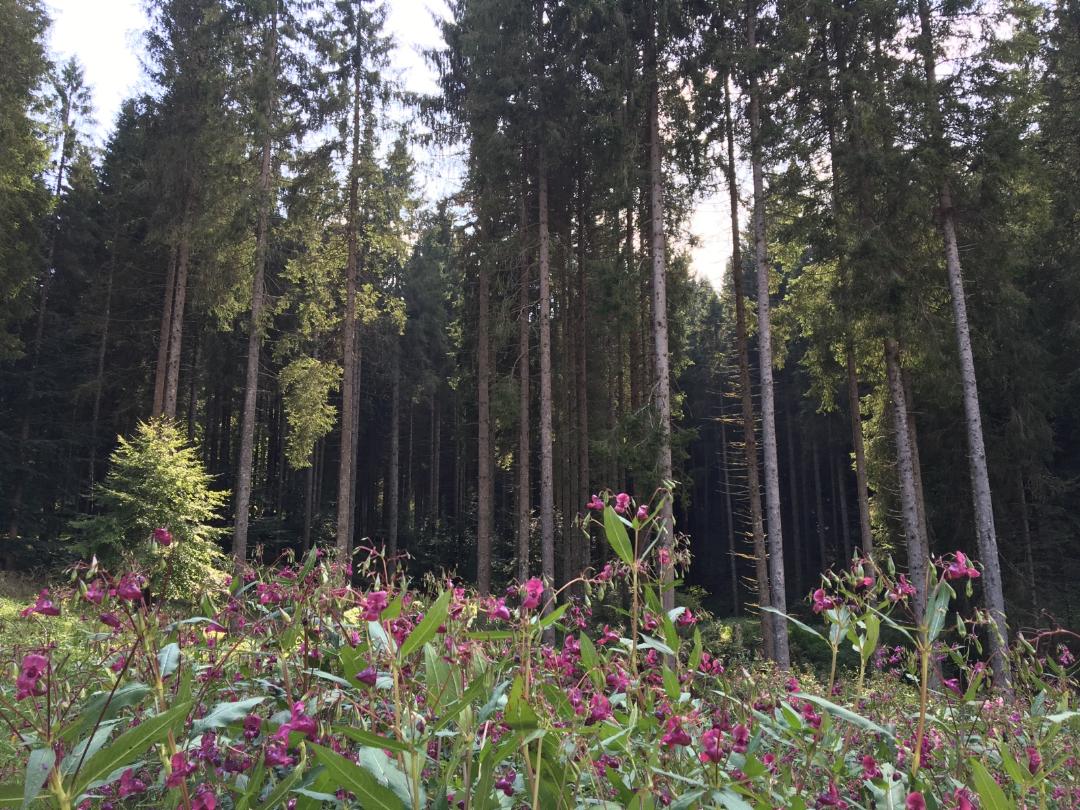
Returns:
(251, 257)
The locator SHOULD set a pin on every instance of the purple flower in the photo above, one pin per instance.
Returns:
(277, 756)
(163, 537)
(130, 588)
(28, 683)
(599, 709)
(367, 676)
(179, 770)
(711, 749)
(204, 799)
(870, 769)
(130, 785)
(505, 783)
(374, 604)
(43, 605)
(741, 735)
(622, 502)
(822, 601)
(534, 591)
(252, 726)
(595, 504)
(915, 801)
(961, 568)
(95, 592)
(111, 619)
(675, 734)
(299, 722)
(642, 513)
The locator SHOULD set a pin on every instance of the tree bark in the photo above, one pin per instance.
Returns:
(524, 509)
(753, 483)
(797, 551)
(262, 239)
(584, 556)
(176, 320)
(485, 485)
(765, 354)
(547, 483)
(660, 330)
(986, 533)
(349, 394)
(729, 522)
(394, 474)
(99, 377)
(158, 407)
(866, 536)
(917, 561)
(819, 510)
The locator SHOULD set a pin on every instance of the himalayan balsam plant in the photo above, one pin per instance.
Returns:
(332, 683)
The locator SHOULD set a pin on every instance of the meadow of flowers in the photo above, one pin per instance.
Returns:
(311, 685)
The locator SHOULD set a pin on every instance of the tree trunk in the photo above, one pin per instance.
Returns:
(524, 510)
(547, 483)
(819, 510)
(158, 407)
(485, 485)
(251, 378)
(394, 473)
(916, 463)
(1029, 554)
(99, 377)
(584, 557)
(733, 570)
(866, 536)
(348, 339)
(842, 506)
(797, 552)
(765, 362)
(986, 534)
(917, 561)
(176, 321)
(749, 427)
(436, 429)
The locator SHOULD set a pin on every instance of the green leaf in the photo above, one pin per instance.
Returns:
(590, 660)
(123, 697)
(846, 714)
(429, 625)
(224, 714)
(873, 629)
(168, 659)
(89, 745)
(937, 610)
(518, 713)
(347, 774)
(388, 774)
(697, 651)
(38, 768)
(373, 740)
(130, 745)
(794, 621)
(671, 684)
(616, 535)
(554, 616)
(991, 796)
(11, 794)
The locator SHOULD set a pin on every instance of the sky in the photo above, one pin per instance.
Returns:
(105, 36)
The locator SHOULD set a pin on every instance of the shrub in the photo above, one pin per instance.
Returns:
(156, 481)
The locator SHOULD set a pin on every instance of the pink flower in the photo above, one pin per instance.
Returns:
(953, 685)
(1034, 759)
(864, 582)
(595, 504)
(204, 799)
(111, 619)
(277, 756)
(822, 601)
(664, 556)
(901, 590)
(43, 605)
(599, 709)
(741, 736)
(505, 783)
(499, 610)
(870, 769)
(831, 798)
(622, 502)
(686, 619)
(676, 734)
(130, 588)
(374, 604)
(368, 676)
(130, 785)
(961, 568)
(962, 799)
(534, 591)
(711, 750)
(95, 592)
(28, 683)
(642, 513)
(299, 722)
(608, 636)
(179, 770)
(163, 537)
(252, 726)
(915, 801)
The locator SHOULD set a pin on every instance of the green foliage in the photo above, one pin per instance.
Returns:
(156, 480)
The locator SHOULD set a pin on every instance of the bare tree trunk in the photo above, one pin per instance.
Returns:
(819, 510)
(394, 473)
(733, 565)
(309, 498)
(349, 394)
(916, 463)
(917, 561)
(255, 327)
(993, 595)
(842, 505)
(99, 377)
(584, 557)
(436, 429)
(757, 524)
(765, 354)
(1029, 555)
(660, 327)
(793, 493)
(176, 323)
(193, 386)
(163, 337)
(485, 485)
(524, 509)
(866, 536)
(547, 483)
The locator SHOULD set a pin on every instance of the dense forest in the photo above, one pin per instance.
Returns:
(892, 366)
